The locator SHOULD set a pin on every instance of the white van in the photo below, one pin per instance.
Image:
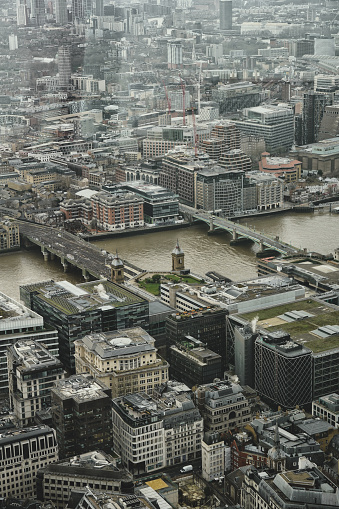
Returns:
(187, 468)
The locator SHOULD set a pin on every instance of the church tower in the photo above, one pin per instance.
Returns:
(178, 258)
(117, 269)
(276, 456)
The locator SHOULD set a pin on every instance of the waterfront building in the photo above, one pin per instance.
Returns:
(192, 363)
(178, 175)
(293, 487)
(212, 457)
(81, 415)
(160, 204)
(327, 408)
(22, 453)
(18, 322)
(94, 469)
(273, 123)
(283, 167)
(32, 371)
(80, 209)
(319, 157)
(122, 210)
(223, 406)
(224, 190)
(126, 362)
(269, 191)
(9, 236)
(283, 370)
(150, 433)
(98, 306)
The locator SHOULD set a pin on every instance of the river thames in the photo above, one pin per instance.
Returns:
(152, 251)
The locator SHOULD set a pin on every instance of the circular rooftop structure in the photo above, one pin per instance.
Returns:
(120, 341)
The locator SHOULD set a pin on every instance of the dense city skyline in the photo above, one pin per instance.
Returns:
(169, 265)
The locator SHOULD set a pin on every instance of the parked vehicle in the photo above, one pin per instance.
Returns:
(187, 468)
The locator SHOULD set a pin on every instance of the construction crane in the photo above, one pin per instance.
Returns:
(195, 140)
(167, 98)
(199, 85)
(183, 88)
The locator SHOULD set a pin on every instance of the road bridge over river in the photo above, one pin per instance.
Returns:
(72, 250)
(241, 232)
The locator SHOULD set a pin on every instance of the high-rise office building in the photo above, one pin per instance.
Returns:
(174, 54)
(81, 9)
(127, 361)
(244, 340)
(81, 415)
(223, 406)
(75, 311)
(208, 326)
(64, 67)
(150, 433)
(32, 371)
(22, 453)
(99, 7)
(273, 123)
(18, 322)
(61, 13)
(13, 42)
(38, 12)
(283, 370)
(225, 15)
(21, 13)
(314, 105)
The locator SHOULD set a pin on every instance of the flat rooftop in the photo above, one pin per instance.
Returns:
(14, 315)
(73, 299)
(119, 343)
(33, 355)
(308, 269)
(313, 326)
(80, 388)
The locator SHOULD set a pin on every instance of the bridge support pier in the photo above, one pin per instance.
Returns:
(85, 275)
(211, 225)
(45, 253)
(234, 235)
(65, 264)
(52, 255)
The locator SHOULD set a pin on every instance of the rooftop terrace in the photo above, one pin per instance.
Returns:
(315, 327)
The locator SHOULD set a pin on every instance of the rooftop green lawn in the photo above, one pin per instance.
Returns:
(265, 314)
(153, 288)
(323, 344)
